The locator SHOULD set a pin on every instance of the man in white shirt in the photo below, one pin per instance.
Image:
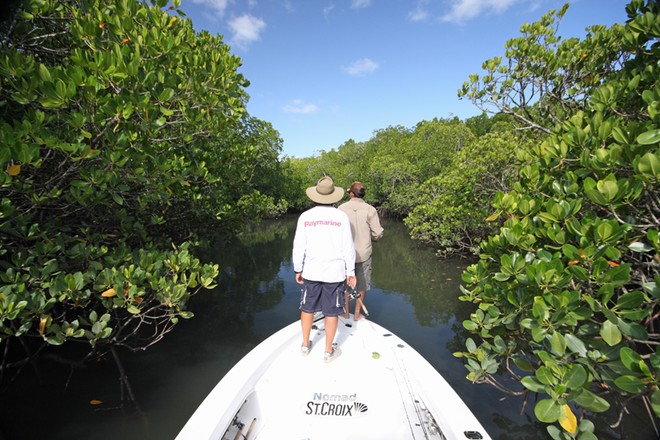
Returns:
(324, 261)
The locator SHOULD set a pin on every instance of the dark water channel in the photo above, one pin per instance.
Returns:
(414, 295)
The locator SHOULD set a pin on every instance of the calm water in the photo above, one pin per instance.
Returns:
(413, 294)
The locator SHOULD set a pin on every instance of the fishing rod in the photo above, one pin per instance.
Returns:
(354, 294)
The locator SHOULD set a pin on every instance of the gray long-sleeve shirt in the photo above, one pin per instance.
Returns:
(365, 226)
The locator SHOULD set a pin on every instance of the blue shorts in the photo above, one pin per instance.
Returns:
(317, 296)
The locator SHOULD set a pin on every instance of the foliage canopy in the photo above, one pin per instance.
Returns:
(124, 133)
(567, 288)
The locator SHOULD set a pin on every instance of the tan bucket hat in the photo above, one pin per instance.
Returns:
(325, 192)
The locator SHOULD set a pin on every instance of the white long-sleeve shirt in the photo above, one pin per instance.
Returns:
(323, 247)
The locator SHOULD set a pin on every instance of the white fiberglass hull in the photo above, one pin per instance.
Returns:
(379, 388)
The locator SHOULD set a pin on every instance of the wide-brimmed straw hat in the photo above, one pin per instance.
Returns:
(325, 192)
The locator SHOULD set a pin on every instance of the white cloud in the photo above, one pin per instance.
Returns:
(219, 6)
(418, 14)
(246, 29)
(464, 10)
(361, 67)
(298, 106)
(327, 10)
(359, 4)
(289, 6)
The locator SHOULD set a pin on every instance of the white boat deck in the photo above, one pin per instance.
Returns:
(379, 388)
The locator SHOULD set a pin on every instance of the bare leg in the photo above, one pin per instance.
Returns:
(330, 330)
(306, 320)
(358, 305)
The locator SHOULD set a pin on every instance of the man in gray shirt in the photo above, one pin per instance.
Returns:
(365, 227)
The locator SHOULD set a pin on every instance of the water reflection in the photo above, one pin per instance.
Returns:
(414, 295)
(404, 267)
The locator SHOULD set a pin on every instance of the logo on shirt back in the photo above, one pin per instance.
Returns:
(322, 223)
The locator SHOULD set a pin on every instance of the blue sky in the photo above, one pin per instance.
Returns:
(326, 71)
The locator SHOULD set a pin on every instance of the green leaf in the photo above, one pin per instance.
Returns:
(545, 376)
(538, 333)
(576, 376)
(554, 432)
(596, 197)
(133, 310)
(653, 235)
(649, 137)
(649, 165)
(571, 251)
(579, 272)
(532, 384)
(540, 308)
(590, 401)
(44, 73)
(51, 102)
(653, 288)
(629, 358)
(97, 327)
(523, 364)
(640, 246)
(55, 339)
(558, 343)
(655, 402)
(166, 94)
(630, 300)
(546, 217)
(633, 329)
(631, 384)
(528, 323)
(608, 188)
(610, 333)
(547, 410)
(586, 425)
(575, 344)
(645, 369)
(619, 135)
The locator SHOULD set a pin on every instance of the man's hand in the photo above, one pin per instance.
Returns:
(299, 278)
(351, 281)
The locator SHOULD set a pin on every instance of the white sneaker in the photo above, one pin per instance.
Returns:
(305, 350)
(329, 357)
